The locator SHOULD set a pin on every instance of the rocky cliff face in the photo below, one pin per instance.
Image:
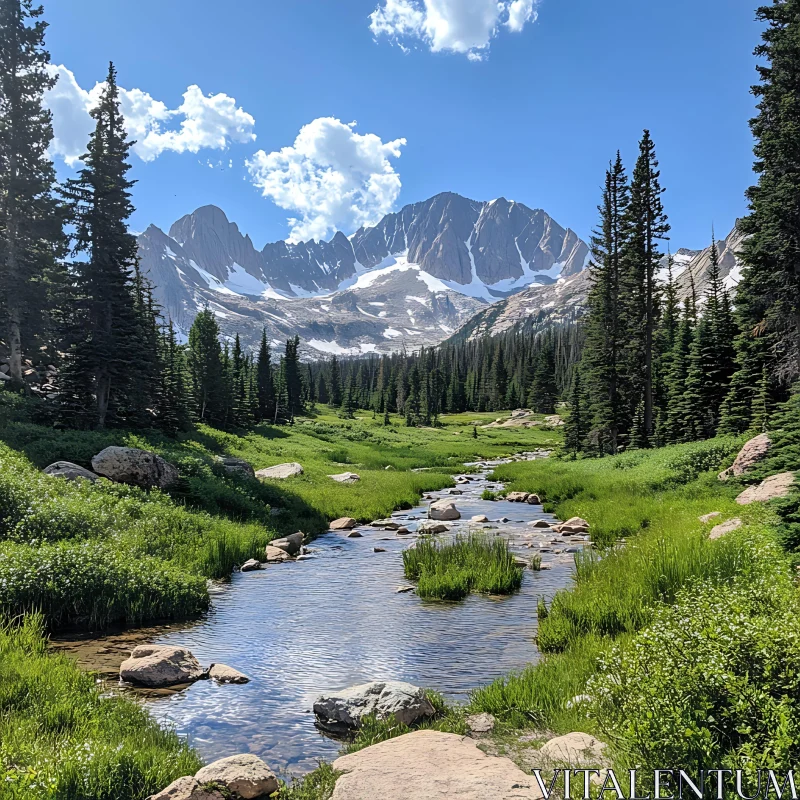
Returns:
(434, 262)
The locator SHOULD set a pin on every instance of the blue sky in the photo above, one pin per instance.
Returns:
(536, 119)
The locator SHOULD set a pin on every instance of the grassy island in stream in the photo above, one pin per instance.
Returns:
(450, 570)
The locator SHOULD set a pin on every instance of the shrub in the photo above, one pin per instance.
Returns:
(715, 679)
(94, 584)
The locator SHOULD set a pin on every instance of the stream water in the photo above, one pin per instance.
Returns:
(336, 620)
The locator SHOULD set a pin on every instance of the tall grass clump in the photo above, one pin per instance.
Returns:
(450, 570)
(60, 739)
(616, 592)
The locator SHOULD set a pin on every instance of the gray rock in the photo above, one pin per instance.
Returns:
(342, 524)
(354, 535)
(539, 523)
(161, 665)
(250, 565)
(481, 723)
(69, 471)
(136, 467)
(274, 555)
(407, 703)
(187, 788)
(346, 477)
(222, 673)
(444, 510)
(280, 471)
(718, 531)
(237, 466)
(245, 775)
(289, 544)
(431, 528)
(706, 518)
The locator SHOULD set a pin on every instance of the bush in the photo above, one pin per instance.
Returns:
(95, 585)
(715, 679)
(451, 570)
(60, 739)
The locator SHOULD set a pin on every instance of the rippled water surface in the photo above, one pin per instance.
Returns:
(336, 620)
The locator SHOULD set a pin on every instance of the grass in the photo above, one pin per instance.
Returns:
(654, 498)
(99, 554)
(61, 740)
(450, 570)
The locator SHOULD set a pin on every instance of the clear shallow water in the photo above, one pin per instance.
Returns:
(336, 620)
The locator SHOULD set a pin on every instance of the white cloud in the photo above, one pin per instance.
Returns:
(458, 26)
(333, 177)
(206, 121)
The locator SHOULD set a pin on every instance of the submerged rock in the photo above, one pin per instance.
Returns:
(161, 665)
(70, 471)
(345, 709)
(539, 523)
(136, 467)
(280, 471)
(222, 673)
(245, 775)
(429, 765)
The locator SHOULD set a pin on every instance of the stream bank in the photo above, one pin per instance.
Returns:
(336, 620)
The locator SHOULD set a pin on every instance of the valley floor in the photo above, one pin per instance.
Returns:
(675, 649)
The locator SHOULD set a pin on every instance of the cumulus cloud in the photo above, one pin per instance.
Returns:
(458, 26)
(332, 177)
(204, 121)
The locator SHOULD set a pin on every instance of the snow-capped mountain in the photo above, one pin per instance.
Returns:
(565, 300)
(410, 280)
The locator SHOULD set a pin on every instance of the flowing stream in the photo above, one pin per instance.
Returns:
(336, 620)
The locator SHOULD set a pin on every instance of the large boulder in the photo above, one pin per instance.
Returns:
(274, 555)
(771, 489)
(429, 765)
(70, 471)
(237, 466)
(342, 524)
(345, 709)
(753, 452)
(289, 544)
(346, 477)
(430, 528)
(137, 467)
(280, 471)
(155, 666)
(444, 510)
(245, 776)
(187, 788)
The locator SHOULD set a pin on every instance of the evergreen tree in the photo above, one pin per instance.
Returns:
(204, 359)
(544, 392)
(294, 384)
(767, 296)
(674, 424)
(104, 325)
(265, 385)
(172, 411)
(31, 238)
(646, 225)
(602, 362)
(575, 427)
(335, 384)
